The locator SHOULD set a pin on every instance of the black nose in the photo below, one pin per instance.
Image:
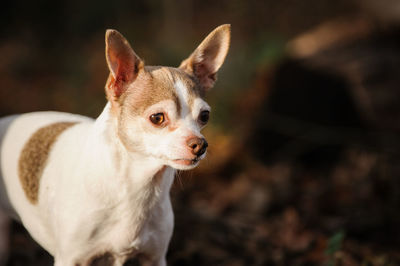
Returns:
(198, 145)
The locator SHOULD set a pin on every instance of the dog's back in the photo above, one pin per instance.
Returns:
(6, 209)
(4, 199)
(24, 144)
(20, 135)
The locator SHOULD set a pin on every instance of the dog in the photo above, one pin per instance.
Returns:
(96, 192)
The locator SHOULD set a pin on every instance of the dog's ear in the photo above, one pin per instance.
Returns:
(209, 56)
(123, 63)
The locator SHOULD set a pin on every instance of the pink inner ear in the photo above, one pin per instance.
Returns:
(123, 71)
(126, 71)
(119, 81)
(202, 72)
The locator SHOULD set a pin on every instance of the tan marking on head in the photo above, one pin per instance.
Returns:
(157, 84)
(33, 158)
(191, 83)
(153, 85)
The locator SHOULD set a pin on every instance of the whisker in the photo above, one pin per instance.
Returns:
(178, 177)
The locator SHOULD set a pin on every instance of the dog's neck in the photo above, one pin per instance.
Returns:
(129, 177)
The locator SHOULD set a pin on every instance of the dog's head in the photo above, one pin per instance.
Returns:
(161, 110)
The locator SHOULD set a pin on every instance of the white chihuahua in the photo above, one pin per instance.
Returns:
(96, 192)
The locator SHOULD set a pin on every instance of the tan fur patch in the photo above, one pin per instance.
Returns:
(33, 158)
(157, 84)
(153, 85)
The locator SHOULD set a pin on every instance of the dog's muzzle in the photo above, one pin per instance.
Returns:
(197, 145)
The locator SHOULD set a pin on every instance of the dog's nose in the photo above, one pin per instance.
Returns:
(198, 145)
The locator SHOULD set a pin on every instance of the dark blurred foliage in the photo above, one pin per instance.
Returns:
(303, 166)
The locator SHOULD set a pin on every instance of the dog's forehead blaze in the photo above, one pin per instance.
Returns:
(158, 84)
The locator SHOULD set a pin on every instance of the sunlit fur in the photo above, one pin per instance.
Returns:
(104, 189)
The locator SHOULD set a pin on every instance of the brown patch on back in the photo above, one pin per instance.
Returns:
(33, 158)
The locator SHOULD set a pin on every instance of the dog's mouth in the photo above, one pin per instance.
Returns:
(187, 162)
(182, 163)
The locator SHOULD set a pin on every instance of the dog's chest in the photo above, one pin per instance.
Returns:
(141, 225)
(125, 235)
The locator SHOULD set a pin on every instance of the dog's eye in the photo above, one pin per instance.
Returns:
(204, 117)
(157, 119)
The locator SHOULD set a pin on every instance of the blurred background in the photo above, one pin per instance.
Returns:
(303, 165)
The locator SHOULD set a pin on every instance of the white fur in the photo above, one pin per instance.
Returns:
(183, 97)
(105, 186)
(169, 143)
(190, 114)
(89, 202)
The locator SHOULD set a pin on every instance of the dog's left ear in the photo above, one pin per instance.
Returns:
(123, 63)
(209, 56)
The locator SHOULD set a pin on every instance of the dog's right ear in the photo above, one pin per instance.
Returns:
(123, 63)
(208, 57)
